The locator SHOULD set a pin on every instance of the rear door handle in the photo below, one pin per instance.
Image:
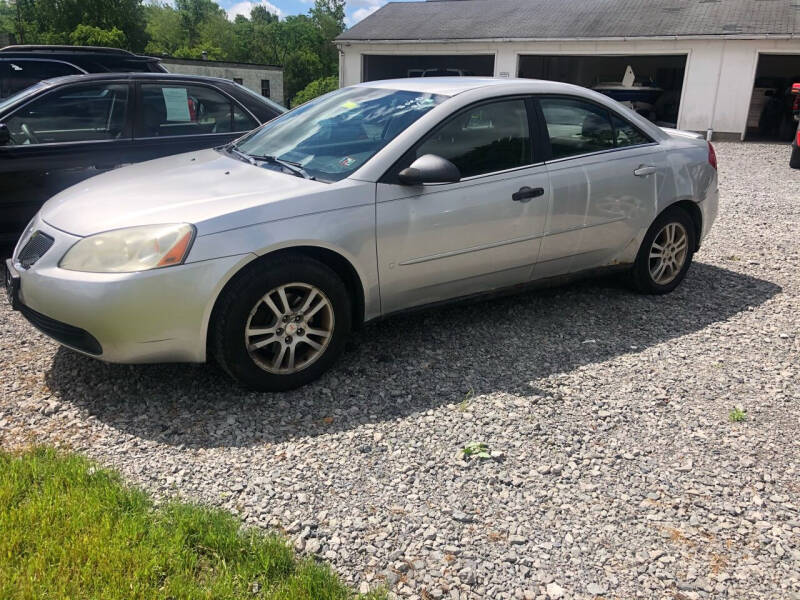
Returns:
(644, 170)
(525, 194)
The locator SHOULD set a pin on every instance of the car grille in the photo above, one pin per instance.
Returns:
(34, 249)
(80, 339)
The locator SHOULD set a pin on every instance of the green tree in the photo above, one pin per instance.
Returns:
(316, 88)
(86, 35)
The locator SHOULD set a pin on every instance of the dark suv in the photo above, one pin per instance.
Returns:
(22, 66)
(61, 131)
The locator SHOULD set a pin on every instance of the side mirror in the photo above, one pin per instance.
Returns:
(430, 169)
(5, 134)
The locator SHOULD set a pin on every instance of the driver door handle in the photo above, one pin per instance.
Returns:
(525, 194)
(644, 170)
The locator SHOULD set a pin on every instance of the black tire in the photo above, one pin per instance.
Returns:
(794, 158)
(233, 314)
(640, 275)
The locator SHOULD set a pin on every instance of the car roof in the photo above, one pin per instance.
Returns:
(451, 86)
(51, 51)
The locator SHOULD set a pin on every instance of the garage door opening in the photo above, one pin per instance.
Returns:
(655, 91)
(770, 115)
(378, 66)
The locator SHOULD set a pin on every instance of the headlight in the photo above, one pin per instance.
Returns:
(131, 249)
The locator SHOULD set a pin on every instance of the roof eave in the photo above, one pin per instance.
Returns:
(705, 36)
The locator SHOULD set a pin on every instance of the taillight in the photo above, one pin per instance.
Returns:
(712, 156)
(798, 137)
(796, 103)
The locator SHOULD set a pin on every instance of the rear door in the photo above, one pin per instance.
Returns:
(58, 139)
(182, 116)
(604, 174)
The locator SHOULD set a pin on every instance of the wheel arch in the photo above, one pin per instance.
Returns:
(694, 212)
(332, 259)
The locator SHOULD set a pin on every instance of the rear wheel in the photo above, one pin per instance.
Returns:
(665, 254)
(794, 159)
(282, 324)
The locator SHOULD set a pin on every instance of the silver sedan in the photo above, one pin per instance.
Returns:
(364, 202)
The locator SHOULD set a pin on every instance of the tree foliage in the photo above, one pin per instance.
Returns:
(302, 44)
(316, 88)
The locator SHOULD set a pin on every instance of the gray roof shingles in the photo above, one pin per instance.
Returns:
(560, 19)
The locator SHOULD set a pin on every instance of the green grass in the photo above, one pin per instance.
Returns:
(737, 415)
(69, 530)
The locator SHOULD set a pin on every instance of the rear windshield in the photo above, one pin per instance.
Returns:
(332, 136)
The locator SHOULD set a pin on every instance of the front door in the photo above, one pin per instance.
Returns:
(447, 240)
(58, 140)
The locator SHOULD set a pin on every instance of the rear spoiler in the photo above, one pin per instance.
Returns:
(680, 133)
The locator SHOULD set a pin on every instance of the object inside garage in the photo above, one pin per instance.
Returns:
(770, 115)
(379, 66)
(650, 84)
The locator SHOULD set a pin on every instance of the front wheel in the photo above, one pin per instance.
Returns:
(282, 324)
(665, 254)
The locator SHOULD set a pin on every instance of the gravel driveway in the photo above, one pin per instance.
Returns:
(615, 468)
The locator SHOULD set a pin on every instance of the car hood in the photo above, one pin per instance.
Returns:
(207, 188)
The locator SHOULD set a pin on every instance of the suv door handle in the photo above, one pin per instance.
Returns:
(525, 194)
(644, 170)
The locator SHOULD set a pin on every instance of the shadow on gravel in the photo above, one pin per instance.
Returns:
(408, 363)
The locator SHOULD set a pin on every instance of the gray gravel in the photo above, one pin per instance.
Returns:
(615, 470)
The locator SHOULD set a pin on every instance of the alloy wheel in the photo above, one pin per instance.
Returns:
(289, 328)
(668, 253)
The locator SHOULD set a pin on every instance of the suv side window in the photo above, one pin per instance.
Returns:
(175, 109)
(576, 127)
(77, 113)
(17, 74)
(483, 139)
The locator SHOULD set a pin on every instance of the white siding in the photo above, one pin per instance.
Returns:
(717, 85)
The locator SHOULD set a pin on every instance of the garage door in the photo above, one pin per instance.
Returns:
(378, 66)
(654, 93)
(770, 115)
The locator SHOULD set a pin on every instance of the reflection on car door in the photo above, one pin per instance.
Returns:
(446, 240)
(57, 140)
(175, 117)
(603, 175)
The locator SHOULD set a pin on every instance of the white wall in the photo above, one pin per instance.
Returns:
(717, 85)
(251, 75)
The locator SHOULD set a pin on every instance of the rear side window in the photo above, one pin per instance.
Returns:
(174, 109)
(16, 75)
(576, 127)
(625, 134)
(483, 139)
(77, 113)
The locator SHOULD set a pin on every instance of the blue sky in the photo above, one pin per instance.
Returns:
(356, 9)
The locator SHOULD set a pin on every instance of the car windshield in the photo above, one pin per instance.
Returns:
(331, 136)
(21, 95)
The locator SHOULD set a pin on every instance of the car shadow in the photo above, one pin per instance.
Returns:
(408, 363)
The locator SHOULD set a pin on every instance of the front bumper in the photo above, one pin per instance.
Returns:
(151, 316)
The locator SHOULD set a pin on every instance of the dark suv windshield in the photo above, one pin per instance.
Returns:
(332, 136)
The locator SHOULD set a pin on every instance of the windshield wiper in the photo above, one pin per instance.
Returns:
(239, 154)
(295, 168)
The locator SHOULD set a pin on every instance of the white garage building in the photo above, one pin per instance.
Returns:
(723, 65)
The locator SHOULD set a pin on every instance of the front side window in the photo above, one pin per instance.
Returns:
(78, 113)
(16, 75)
(176, 109)
(576, 127)
(333, 135)
(483, 139)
